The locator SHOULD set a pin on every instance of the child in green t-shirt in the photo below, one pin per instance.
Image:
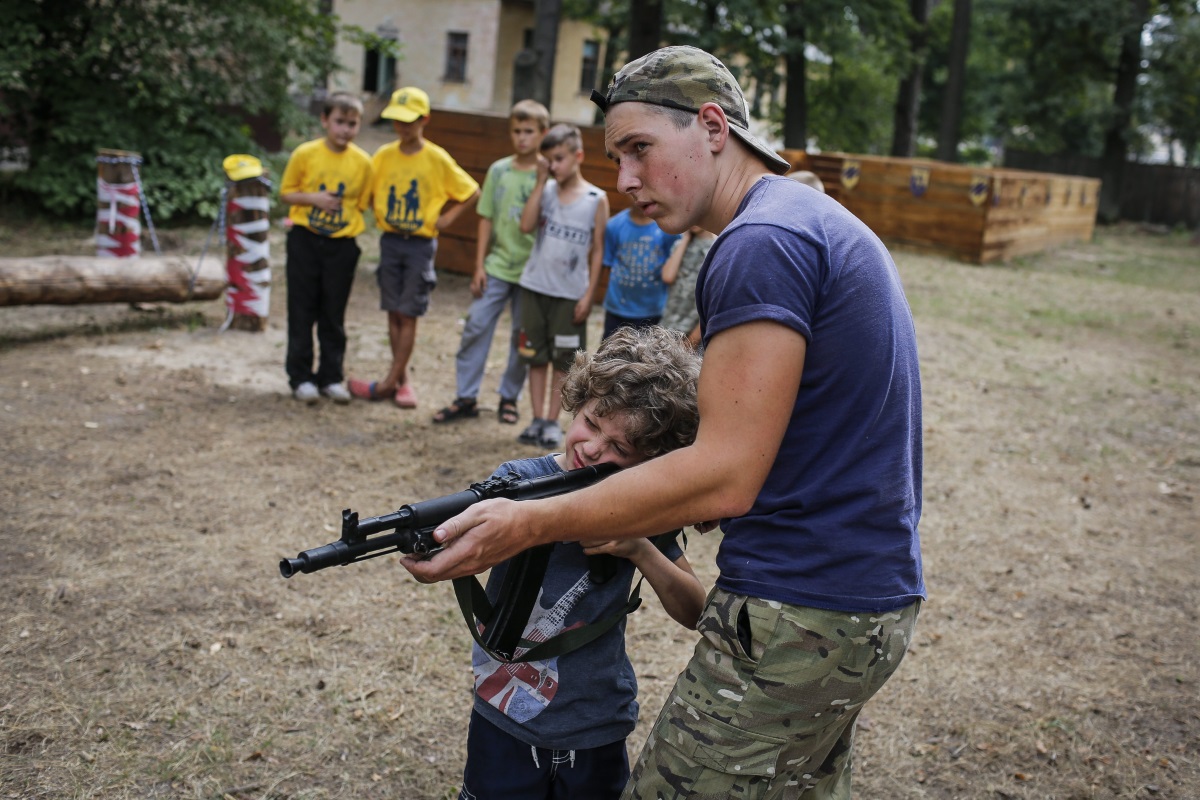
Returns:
(500, 256)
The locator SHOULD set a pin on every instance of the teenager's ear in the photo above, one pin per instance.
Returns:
(716, 127)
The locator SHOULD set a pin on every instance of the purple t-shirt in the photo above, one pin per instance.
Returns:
(835, 525)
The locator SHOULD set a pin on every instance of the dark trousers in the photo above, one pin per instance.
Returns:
(320, 273)
(501, 768)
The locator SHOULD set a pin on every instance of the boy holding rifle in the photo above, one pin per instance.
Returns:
(557, 727)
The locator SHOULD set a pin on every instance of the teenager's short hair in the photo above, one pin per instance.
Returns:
(563, 134)
(342, 101)
(647, 374)
(530, 111)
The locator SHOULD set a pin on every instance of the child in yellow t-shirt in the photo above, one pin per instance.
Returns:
(412, 180)
(324, 182)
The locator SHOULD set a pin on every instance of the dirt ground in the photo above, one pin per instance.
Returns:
(155, 471)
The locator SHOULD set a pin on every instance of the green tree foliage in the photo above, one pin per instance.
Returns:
(1171, 94)
(170, 79)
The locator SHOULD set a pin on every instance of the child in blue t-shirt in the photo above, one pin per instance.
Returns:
(557, 727)
(634, 251)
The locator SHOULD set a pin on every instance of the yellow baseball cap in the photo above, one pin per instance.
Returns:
(240, 167)
(407, 105)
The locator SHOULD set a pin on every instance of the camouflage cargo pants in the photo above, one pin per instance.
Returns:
(766, 707)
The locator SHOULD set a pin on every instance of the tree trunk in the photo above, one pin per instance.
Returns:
(1116, 143)
(950, 128)
(77, 280)
(908, 97)
(547, 14)
(645, 27)
(795, 96)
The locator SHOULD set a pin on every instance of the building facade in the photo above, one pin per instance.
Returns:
(465, 54)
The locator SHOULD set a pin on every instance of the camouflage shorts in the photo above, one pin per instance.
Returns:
(766, 706)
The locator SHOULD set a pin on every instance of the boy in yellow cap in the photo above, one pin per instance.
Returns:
(412, 180)
(325, 182)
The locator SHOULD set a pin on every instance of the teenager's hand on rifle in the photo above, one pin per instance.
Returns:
(479, 538)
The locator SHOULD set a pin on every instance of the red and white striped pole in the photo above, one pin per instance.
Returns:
(118, 198)
(248, 251)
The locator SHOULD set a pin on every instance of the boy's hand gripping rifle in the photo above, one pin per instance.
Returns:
(410, 528)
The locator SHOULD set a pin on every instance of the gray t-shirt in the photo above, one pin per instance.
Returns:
(558, 265)
(586, 698)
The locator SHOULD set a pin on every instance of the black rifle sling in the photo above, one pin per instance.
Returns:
(514, 603)
(505, 621)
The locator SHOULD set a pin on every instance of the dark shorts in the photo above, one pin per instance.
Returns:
(767, 705)
(548, 331)
(405, 275)
(501, 768)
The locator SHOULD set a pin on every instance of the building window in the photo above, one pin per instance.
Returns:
(590, 69)
(379, 67)
(456, 57)
(379, 73)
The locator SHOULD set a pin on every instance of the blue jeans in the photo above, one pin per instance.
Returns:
(477, 336)
(501, 768)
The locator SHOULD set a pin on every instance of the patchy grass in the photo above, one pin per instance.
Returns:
(152, 478)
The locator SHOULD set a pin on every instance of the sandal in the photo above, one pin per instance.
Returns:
(461, 408)
(508, 412)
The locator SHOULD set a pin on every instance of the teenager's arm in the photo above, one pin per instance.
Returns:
(482, 240)
(670, 270)
(677, 587)
(748, 384)
(595, 260)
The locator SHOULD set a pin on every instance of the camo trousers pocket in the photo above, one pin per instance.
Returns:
(691, 754)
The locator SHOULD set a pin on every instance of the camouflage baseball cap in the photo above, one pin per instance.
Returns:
(687, 78)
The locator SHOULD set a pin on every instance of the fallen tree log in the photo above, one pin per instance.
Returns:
(76, 280)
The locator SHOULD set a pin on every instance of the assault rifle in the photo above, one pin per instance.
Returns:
(496, 625)
(409, 529)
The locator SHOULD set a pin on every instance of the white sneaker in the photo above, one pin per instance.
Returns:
(307, 393)
(337, 393)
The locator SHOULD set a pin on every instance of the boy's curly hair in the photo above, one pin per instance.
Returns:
(648, 374)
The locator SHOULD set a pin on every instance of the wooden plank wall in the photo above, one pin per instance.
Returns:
(974, 214)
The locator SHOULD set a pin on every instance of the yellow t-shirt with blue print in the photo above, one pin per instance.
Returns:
(409, 191)
(313, 167)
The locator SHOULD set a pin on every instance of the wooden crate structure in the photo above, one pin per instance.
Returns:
(975, 214)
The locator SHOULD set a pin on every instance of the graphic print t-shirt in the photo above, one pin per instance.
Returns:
(313, 167)
(409, 191)
(586, 698)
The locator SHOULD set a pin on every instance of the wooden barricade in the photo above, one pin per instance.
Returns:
(975, 214)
